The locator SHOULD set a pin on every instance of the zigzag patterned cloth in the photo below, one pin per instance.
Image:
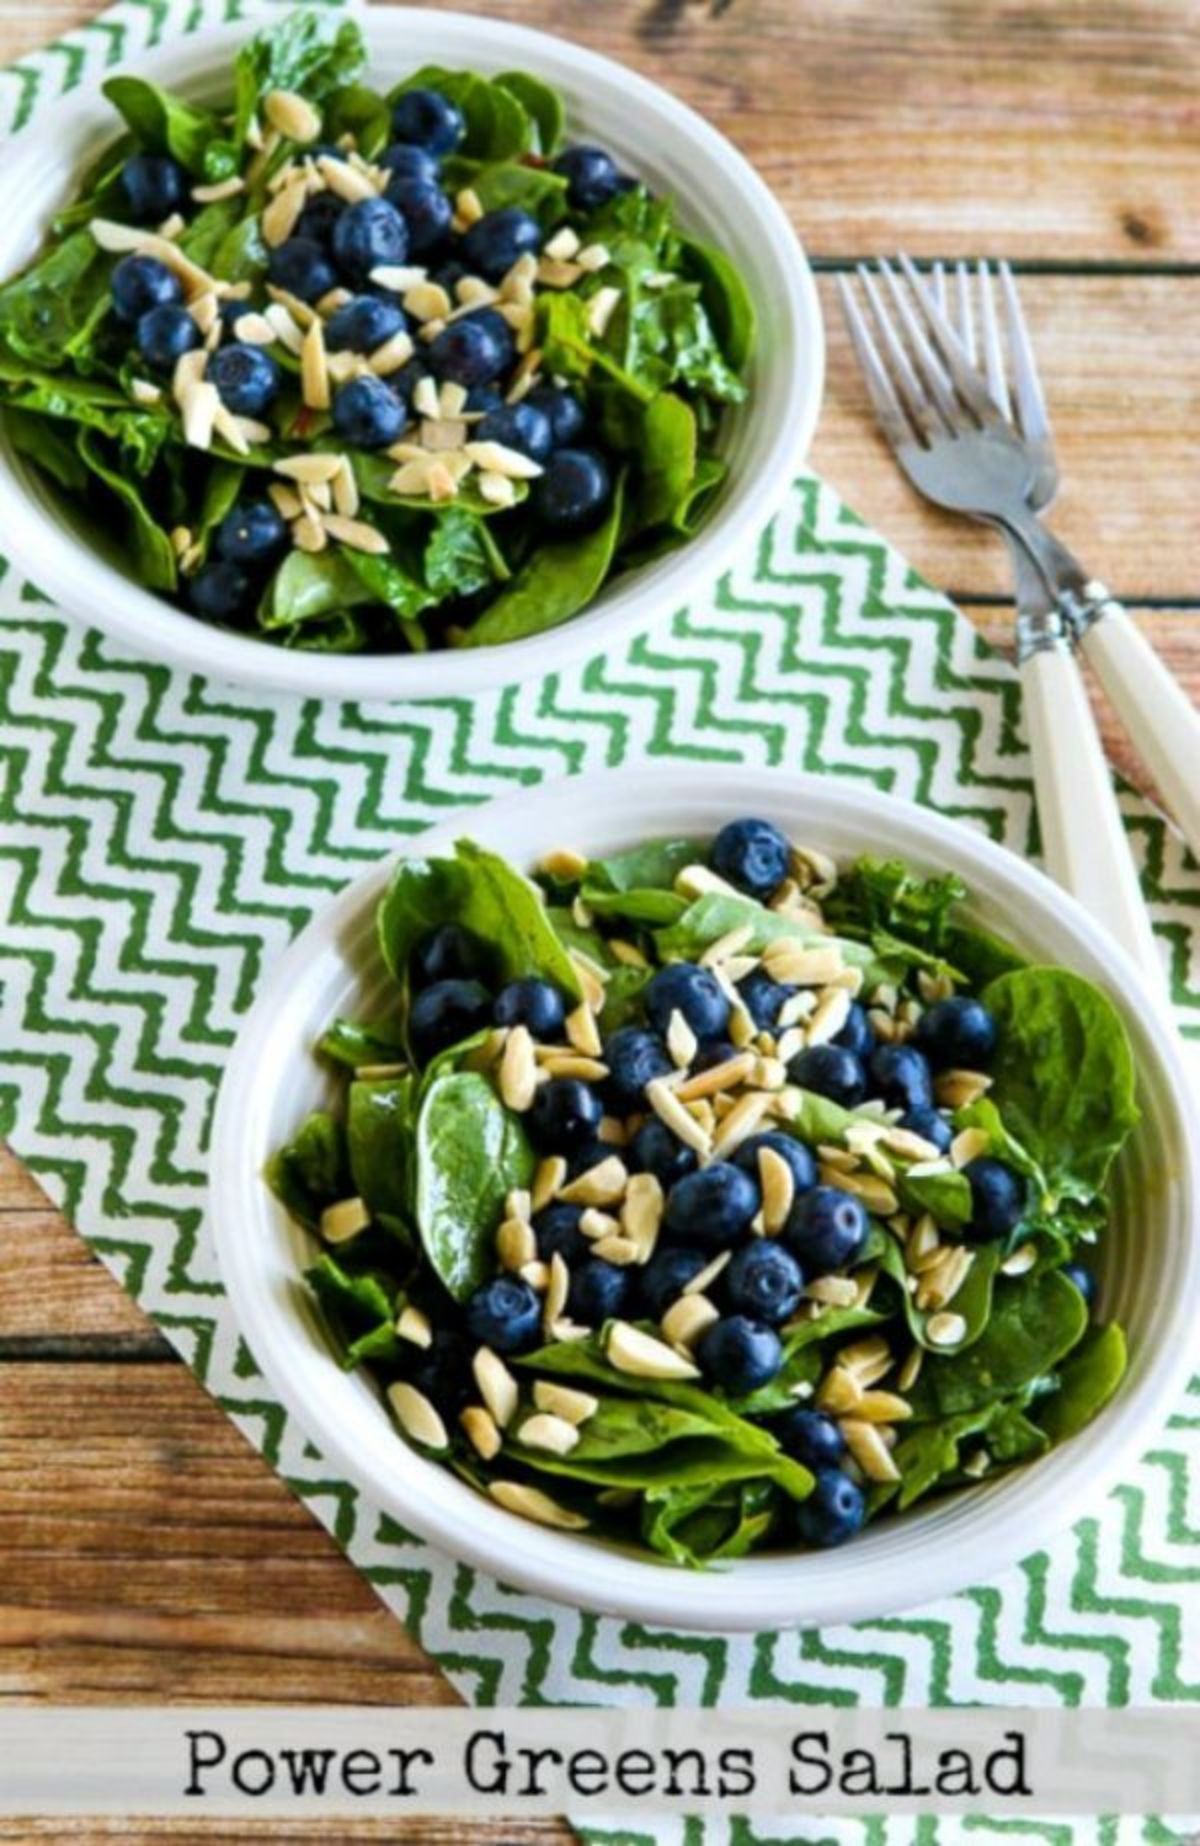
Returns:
(164, 838)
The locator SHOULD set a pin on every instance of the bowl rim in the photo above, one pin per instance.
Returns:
(606, 1579)
(90, 587)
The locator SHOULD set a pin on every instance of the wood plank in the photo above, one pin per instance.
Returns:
(283, 1833)
(1059, 131)
(1120, 364)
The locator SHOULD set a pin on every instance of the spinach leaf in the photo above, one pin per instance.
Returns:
(470, 1152)
(388, 582)
(668, 460)
(622, 997)
(567, 346)
(1063, 1075)
(38, 439)
(559, 580)
(460, 557)
(361, 1310)
(726, 298)
(803, 1362)
(973, 1300)
(166, 124)
(624, 1426)
(694, 1526)
(380, 1123)
(1086, 1381)
(310, 52)
(653, 908)
(898, 910)
(947, 1195)
(655, 865)
(359, 111)
(312, 1170)
(543, 105)
(980, 955)
(149, 545)
(1035, 1321)
(346, 1042)
(671, 340)
(715, 914)
(1002, 1145)
(498, 125)
(48, 314)
(310, 584)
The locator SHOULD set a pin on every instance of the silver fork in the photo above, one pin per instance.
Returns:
(958, 446)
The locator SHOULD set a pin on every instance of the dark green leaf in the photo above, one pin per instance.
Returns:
(1086, 1381)
(354, 1045)
(712, 916)
(48, 314)
(543, 105)
(1034, 1323)
(312, 53)
(559, 580)
(380, 1129)
(149, 546)
(312, 1170)
(470, 1153)
(726, 298)
(166, 124)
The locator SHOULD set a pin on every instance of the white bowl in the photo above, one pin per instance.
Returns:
(719, 196)
(1149, 1263)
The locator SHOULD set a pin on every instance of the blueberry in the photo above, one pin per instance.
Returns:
(518, 426)
(495, 241)
(563, 408)
(505, 1314)
(556, 1228)
(573, 491)
(246, 377)
(713, 1207)
(740, 1354)
(598, 1291)
(798, 1157)
(441, 1372)
(232, 312)
(364, 323)
(587, 1155)
(448, 274)
(426, 211)
(826, 1229)
(834, 1511)
(716, 1051)
(303, 268)
(408, 161)
(251, 533)
(164, 335)
(666, 1276)
(426, 118)
(483, 399)
(809, 1436)
(654, 1149)
(957, 1034)
(565, 1114)
(532, 1003)
(997, 1199)
(444, 1014)
(634, 1058)
(368, 234)
(592, 176)
(1082, 1279)
(931, 1125)
(901, 1076)
(763, 1280)
(219, 591)
(763, 998)
(318, 218)
(830, 1071)
(140, 283)
(155, 186)
(682, 987)
(753, 855)
(473, 350)
(856, 1035)
(368, 413)
(447, 953)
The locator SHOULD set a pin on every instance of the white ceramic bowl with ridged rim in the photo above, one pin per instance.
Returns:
(1149, 1264)
(719, 196)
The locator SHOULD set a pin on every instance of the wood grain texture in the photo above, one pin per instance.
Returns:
(147, 1551)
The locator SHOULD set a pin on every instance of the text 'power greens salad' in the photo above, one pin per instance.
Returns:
(709, 1199)
(355, 371)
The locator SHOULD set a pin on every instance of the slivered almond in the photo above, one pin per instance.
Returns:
(723, 1076)
(287, 329)
(546, 1431)
(603, 1184)
(479, 1427)
(229, 429)
(957, 1089)
(516, 1244)
(869, 1449)
(308, 469)
(314, 370)
(882, 1407)
(414, 1325)
(639, 1355)
(687, 1319)
(468, 207)
(869, 1360)
(968, 1146)
(496, 489)
(669, 1109)
(681, 1040)
(255, 330)
(557, 1289)
(497, 1386)
(121, 237)
(833, 1291)
(341, 1222)
(743, 1120)
(600, 310)
(832, 1012)
(778, 1189)
(291, 115)
(910, 1371)
(875, 1193)
(596, 1223)
(346, 181)
(396, 277)
(356, 534)
(426, 300)
(391, 356)
(699, 881)
(618, 1250)
(220, 189)
(199, 403)
(417, 1416)
(345, 489)
(1021, 1261)
(549, 1176)
(285, 500)
(791, 962)
(496, 458)
(839, 1391)
(532, 1503)
(946, 1329)
(281, 214)
(583, 1032)
(708, 1275)
(564, 1401)
(908, 1145)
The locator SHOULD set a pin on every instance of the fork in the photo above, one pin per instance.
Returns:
(958, 447)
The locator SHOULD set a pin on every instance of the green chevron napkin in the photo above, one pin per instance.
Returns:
(163, 838)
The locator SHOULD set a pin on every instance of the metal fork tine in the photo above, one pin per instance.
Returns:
(888, 408)
(966, 381)
(1031, 405)
(908, 385)
(966, 320)
(993, 351)
(928, 364)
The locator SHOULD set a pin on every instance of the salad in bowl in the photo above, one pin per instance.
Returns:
(711, 1196)
(372, 369)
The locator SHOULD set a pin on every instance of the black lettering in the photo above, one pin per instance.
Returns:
(241, 1768)
(498, 1784)
(818, 1761)
(955, 1773)
(858, 1774)
(307, 1769)
(587, 1772)
(404, 1761)
(362, 1772)
(673, 1761)
(632, 1764)
(534, 1786)
(738, 1764)
(1014, 1760)
(906, 1786)
(197, 1762)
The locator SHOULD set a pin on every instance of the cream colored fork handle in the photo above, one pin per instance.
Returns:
(1163, 724)
(1084, 843)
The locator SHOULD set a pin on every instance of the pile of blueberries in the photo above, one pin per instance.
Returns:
(336, 244)
(709, 1210)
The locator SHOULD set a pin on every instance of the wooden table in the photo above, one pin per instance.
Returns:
(159, 1558)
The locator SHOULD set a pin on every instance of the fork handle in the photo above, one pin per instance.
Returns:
(1160, 718)
(1083, 841)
